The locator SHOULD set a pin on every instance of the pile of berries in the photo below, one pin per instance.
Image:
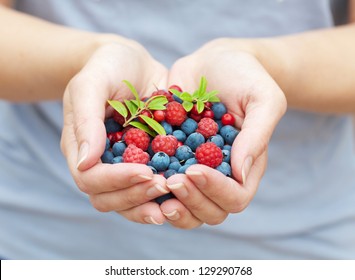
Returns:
(170, 131)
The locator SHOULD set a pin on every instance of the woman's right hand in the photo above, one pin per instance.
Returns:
(126, 188)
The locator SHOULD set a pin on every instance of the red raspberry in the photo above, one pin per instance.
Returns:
(165, 93)
(165, 143)
(209, 154)
(135, 155)
(175, 114)
(138, 138)
(207, 127)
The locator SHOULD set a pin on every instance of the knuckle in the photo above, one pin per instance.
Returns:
(98, 204)
(218, 219)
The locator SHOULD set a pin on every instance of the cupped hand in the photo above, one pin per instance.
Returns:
(255, 100)
(125, 188)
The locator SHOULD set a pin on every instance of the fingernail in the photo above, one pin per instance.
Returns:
(179, 189)
(140, 179)
(246, 168)
(156, 190)
(197, 177)
(83, 153)
(150, 220)
(173, 216)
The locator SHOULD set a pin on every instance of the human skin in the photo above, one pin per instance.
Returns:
(311, 71)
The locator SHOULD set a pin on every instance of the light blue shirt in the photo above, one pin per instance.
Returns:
(305, 206)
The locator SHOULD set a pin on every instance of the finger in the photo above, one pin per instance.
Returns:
(147, 213)
(127, 198)
(110, 177)
(195, 201)
(252, 140)
(178, 215)
(224, 191)
(181, 75)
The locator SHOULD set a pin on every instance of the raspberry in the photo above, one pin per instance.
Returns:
(209, 154)
(138, 138)
(165, 143)
(165, 93)
(207, 127)
(135, 155)
(175, 114)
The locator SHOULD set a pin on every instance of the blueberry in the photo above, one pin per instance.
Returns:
(225, 168)
(107, 157)
(164, 197)
(118, 148)
(168, 128)
(175, 165)
(229, 133)
(173, 159)
(220, 124)
(112, 126)
(191, 161)
(180, 135)
(108, 144)
(177, 99)
(150, 150)
(153, 169)
(160, 161)
(183, 153)
(183, 168)
(189, 126)
(227, 147)
(226, 156)
(117, 159)
(219, 110)
(194, 140)
(217, 139)
(170, 172)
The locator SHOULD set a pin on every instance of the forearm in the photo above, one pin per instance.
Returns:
(315, 69)
(38, 58)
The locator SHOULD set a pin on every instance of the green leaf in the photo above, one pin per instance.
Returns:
(131, 106)
(140, 104)
(154, 125)
(195, 95)
(143, 127)
(175, 92)
(157, 103)
(214, 99)
(203, 86)
(209, 95)
(119, 107)
(132, 89)
(186, 96)
(187, 105)
(200, 106)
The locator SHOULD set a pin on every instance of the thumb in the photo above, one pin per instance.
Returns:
(253, 139)
(84, 113)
